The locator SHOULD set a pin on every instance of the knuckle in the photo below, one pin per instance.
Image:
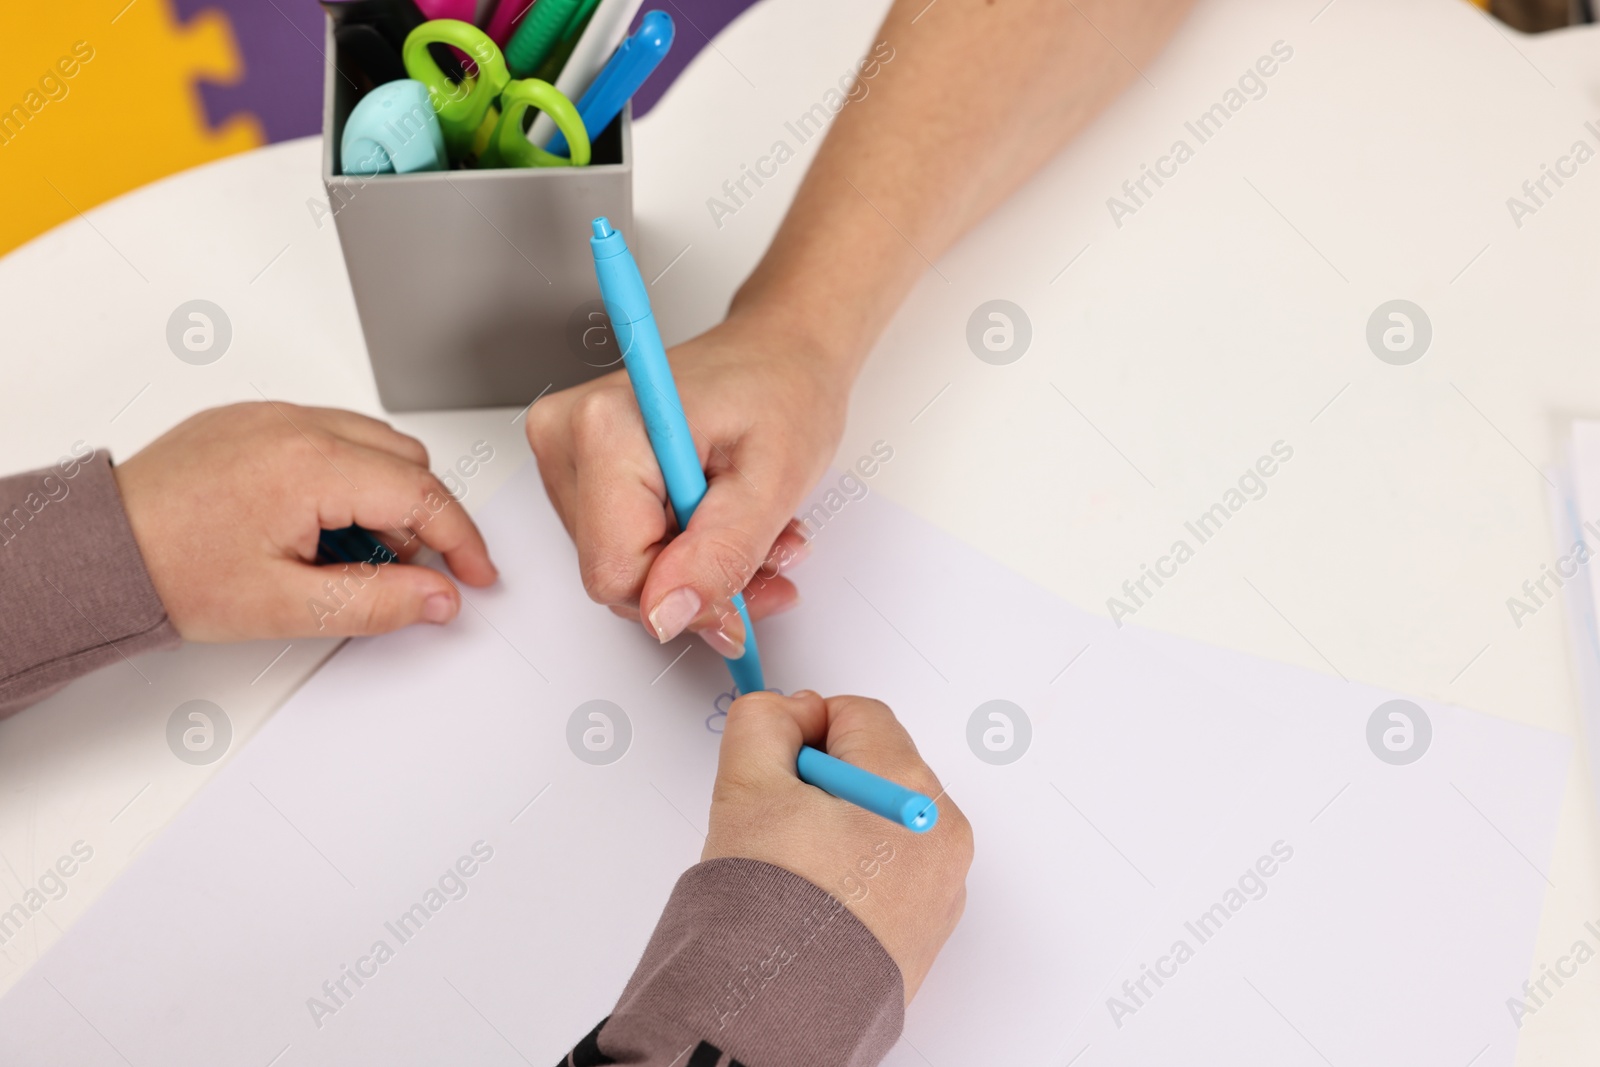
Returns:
(363, 616)
(289, 427)
(244, 411)
(325, 442)
(283, 417)
(345, 604)
(734, 785)
(377, 619)
(960, 839)
(761, 704)
(430, 490)
(610, 579)
(598, 417)
(847, 702)
(376, 610)
(729, 559)
(541, 426)
(296, 451)
(908, 767)
(412, 520)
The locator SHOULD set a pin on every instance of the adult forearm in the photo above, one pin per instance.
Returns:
(976, 96)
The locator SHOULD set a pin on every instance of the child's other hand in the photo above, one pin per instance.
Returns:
(909, 889)
(227, 506)
(766, 414)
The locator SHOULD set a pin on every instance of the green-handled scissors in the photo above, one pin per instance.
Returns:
(510, 147)
(462, 106)
(469, 115)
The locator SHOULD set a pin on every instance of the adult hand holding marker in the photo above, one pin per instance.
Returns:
(760, 457)
(645, 359)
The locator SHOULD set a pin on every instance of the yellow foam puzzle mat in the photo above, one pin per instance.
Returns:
(101, 97)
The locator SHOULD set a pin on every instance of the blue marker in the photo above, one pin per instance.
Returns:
(634, 61)
(352, 544)
(645, 358)
(864, 789)
(628, 307)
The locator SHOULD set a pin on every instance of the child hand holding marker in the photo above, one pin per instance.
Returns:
(761, 811)
(809, 924)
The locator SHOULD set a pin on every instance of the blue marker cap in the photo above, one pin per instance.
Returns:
(622, 287)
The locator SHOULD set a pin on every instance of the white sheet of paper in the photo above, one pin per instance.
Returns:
(1158, 773)
(1575, 514)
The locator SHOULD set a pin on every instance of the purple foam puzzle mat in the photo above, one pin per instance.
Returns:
(281, 46)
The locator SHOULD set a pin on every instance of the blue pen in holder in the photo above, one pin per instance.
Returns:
(475, 288)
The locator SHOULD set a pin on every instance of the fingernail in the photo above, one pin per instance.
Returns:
(795, 557)
(439, 607)
(804, 693)
(674, 612)
(722, 644)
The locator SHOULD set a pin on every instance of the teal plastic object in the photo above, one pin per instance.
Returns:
(393, 130)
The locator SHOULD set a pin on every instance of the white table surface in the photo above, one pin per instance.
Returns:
(1225, 315)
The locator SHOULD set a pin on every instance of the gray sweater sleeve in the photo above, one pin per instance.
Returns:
(753, 966)
(72, 582)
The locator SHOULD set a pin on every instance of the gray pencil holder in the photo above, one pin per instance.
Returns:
(476, 288)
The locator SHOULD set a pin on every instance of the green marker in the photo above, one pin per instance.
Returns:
(541, 30)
